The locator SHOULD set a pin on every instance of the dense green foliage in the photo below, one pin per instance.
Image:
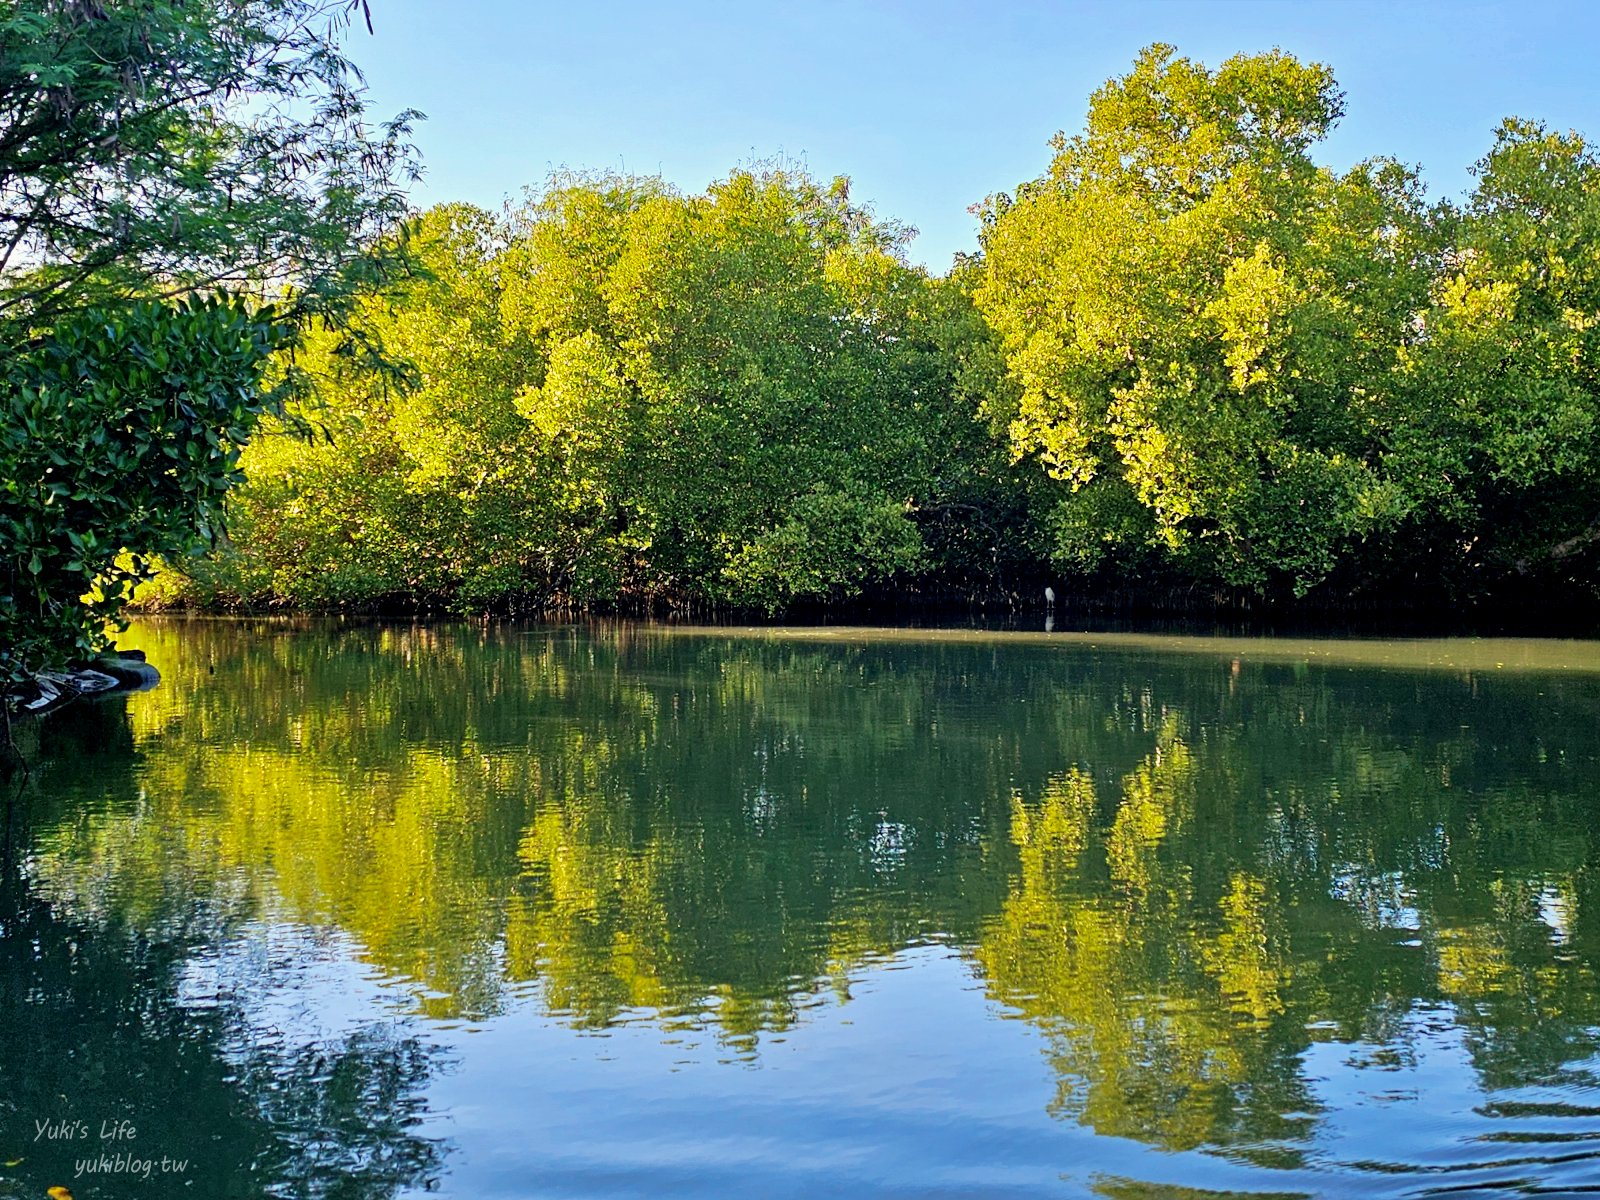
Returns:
(741, 397)
(1186, 354)
(119, 436)
(1205, 324)
(1508, 425)
(1263, 373)
(184, 145)
(150, 155)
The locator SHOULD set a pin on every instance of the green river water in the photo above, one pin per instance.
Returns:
(511, 911)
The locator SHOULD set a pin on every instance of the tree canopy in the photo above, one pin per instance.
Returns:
(1205, 324)
(744, 396)
(183, 186)
(173, 147)
(1263, 372)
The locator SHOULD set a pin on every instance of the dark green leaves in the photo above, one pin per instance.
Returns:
(107, 463)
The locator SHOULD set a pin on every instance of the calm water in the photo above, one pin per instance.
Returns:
(361, 911)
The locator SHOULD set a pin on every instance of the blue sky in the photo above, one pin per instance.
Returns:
(929, 106)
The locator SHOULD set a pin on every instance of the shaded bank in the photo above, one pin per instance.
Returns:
(1536, 611)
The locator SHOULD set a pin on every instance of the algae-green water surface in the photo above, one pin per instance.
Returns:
(511, 911)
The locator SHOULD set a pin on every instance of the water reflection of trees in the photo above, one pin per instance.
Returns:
(1183, 870)
(1311, 864)
(94, 1028)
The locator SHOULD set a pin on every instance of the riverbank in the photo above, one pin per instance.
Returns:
(1400, 611)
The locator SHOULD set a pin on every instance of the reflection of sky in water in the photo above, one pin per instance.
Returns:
(877, 1095)
(1554, 911)
(1417, 1105)
(293, 984)
(1383, 899)
(911, 1088)
(887, 844)
(874, 1094)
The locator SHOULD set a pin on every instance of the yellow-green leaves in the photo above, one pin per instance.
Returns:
(581, 400)
(1187, 353)
(743, 396)
(1253, 313)
(1191, 306)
